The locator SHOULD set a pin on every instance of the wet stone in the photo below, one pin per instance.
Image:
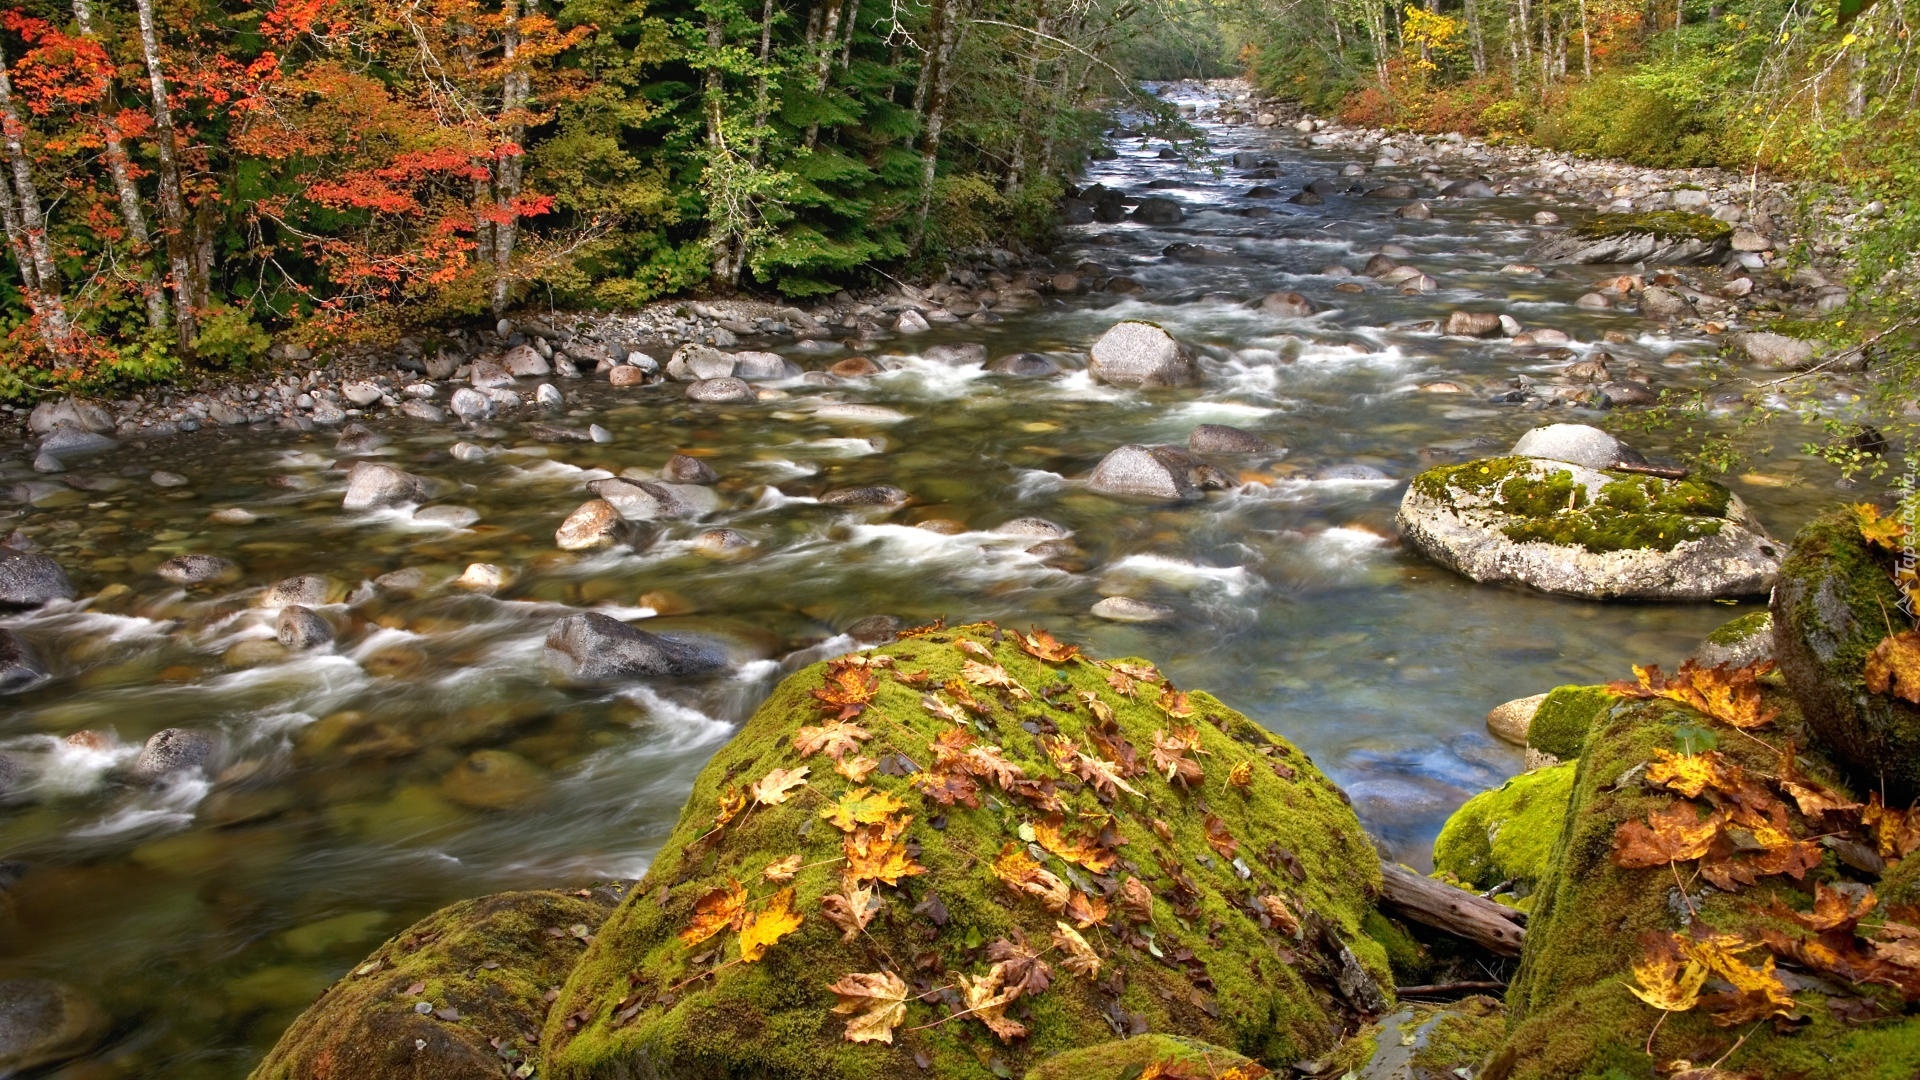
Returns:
(1128, 610)
(493, 780)
(20, 667)
(300, 628)
(199, 570)
(592, 647)
(44, 1022)
(1221, 439)
(29, 579)
(682, 469)
(171, 751)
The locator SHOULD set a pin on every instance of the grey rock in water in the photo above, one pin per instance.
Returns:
(20, 667)
(1480, 324)
(1146, 472)
(683, 469)
(487, 375)
(471, 405)
(1576, 444)
(875, 629)
(71, 413)
(29, 579)
(371, 485)
(548, 396)
(1777, 352)
(1468, 189)
(1127, 609)
(1221, 439)
(68, 443)
(301, 627)
(648, 500)
(1141, 354)
(1391, 191)
(1159, 210)
(173, 750)
(1025, 365)
(1629, 247)
(591, 647)
(1287, 305)
(715, 391)
(524, 361)
(1414, 211)
(869, 495)
(595, 524)
(199, 570)
(44, 1022)
(357, 439)
(307, 590)
(1664, 304)
(957, 355)
(763, 367)
(694, 362)
(911, 322)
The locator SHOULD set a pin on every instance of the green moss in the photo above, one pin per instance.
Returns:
(1123, 1059)
(1465, 1033)
(492, 961)
(1407, 958)
(1735, 631)
(1632, 512)
(1507, 834)
(1668, 224)
(638, 1004)
(1560, 724)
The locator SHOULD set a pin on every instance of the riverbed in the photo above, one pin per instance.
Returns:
(428, 754)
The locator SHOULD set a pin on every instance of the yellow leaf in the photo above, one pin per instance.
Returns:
(993, 677)
(1242, 775)
(1894, 666)
(876, 853)
(1041, 645)
(1666, 980)
(942, 710)
(1079, 956)
(762, 928)
(777, 786)
(856, 769)
(847, 690)
(987, 1002)
(861, 806)
(974, 648)
(715, 912)
(782, 869)
(1050, 834)
(1688, 774)
(731, 803)
(878, 1002)
(835, 738)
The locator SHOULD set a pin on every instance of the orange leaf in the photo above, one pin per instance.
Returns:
(715, 912)
(1671, 834)
(987, 1002)
(876, 853)
(1219, 839)
(762, 928)
(856, 769)
(847, 690)
(993, 677)
(1241, 775)
(1023, 875)
(731, 803)
(782, 869)
(1893, 667)
(1049, 833)
(1666, 980)
(878, 1002)
(836, 739)
(1729, 695)
(1277, 912)
(1174, 702)
(1041, 646)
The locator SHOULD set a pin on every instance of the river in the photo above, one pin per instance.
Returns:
(428, 756)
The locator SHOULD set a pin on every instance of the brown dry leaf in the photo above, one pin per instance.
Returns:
(1896, 833)
(1241, 775)
(877, 1001)
(836, 739)
(861, 806)
(856, 769)
(1014, 867)
(1729, 695)
(1219, 839)
(915, 679)
(1667, 980)
(987, 1002)
(942, 710)
(1174, 703)
(1122, 683)
(1674, 833)
(1042, 646)
(777, 786)
(993, 677)
(847, 691)
(988, 763)
(1145, 673)
(876, 853)
(852, 910)
(957, 690)
(715, 912)
(732, 801)
(782, 869)
(1813, 797)
(947, 788)
(1101, 711)
(925, 630)
(1136, 900)
(762, 928)
(974, 649)
(1051, 834)
(1277, 911)
(1170, 758)
(1019, 966)
(1083, 910)
(1079, 957)
(1103, 775)
(1893, 667)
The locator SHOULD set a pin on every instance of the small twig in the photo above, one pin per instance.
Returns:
(1684, 898)
(1734, 1047)
(705, 974)
(1498, 889)
(1437, 989)
(1656, 1030)
(1664, 472)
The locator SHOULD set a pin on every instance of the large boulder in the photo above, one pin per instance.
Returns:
(1505, 836)
(591, 647)
(978, 859)
(1145, 472)
(1831, 609)
(371, 485)
(1159, 210)
(1667, 236)
(1576, 444)
(1135, 353)
(458, 995)
(29, 579)
(1578, 531)
(1777, 352)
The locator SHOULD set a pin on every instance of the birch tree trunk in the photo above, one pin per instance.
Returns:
(26, 226)
(712, 88)
(823, 50)
(124, 189)
(516, 88)
(940, 85)
(187, 294)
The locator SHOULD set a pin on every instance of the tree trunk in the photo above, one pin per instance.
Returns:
(26, 226)
(187, 295)
(853, 24)
(516, 88)
(823, 50)
(124, 189)
(1456, 911)
(1476, 37)
(712, 89)
(940, 85)
(1023, 142)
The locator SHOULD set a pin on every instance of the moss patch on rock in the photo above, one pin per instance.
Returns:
(1461, 1038)
(1212, 963)
(1507, 834)
(1126, 1059)
(1631, 511)
(1560, 724)
(1735, 631)
(1666, 224)
(484, 968)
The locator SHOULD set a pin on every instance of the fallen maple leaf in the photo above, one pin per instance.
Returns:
(1674, 833)
(777, 786)
(914, 679)
(947, 788)
(1050, 833)
(732, 801)
(1140, 672)
(1078, 956)
(715, 911)
(861, 806)
(1813, 798)
(1667, 980)
(847, 690)
(760, 929)
(1174, 703)
(1241, 775)
(1136, 900)
(1686, 774)
(993, 677)
(987, 1002)
(1083, 910)
(877, 1000)
(975, 649)
(1122, 683)
(1728, 694)
(851, 911)
(1042, 646)
(1888, 532)
(1170, 757)
(1019, 966)
(1893, 667)
(942, 710)
(856, 769)
(1282, 916)
(1101, 774)
(1835, 907)
(782, 869)
(1896, 833)
(1023, 875)
(836, 739)
(876, 852)
(1219, 839)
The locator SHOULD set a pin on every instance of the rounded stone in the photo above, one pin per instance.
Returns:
(199, 570)
(1149, 472)
(591, 647)
(719, 391)
(1141, 354)
(1222, 439)
(43, 1022)
(1129, 610)
(171, 751)
(29, 579)
(301, 628)
(1509, 720)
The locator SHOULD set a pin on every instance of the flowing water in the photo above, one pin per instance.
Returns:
(427, 756)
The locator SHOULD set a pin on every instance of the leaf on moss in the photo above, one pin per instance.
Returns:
(1077, 956)
(761, 929)
(1019, 966)
(877, 1001)
(1020, 873)
(1896, 833)
(1241, 775)
(1665, 979)
(731, 801)
(1728, 694)
(948, 788)
(778, 785)
(1102, 775)
(1122, 683)
(1278, 913)
(1174, 703)
(1835, 907)
(1170, 758)
(1687, 774)
(1136, 901)
(915, 679)
(1102, 712)
(1042, 646)
(1757, 992)
(782, 869)
(851, 910)
(836, 739)
(848, 689)
(1887, 532)
(942, 710)
(1083, 910)
(1674, 833)
(715, 911)
(993, 677)
(974, 649)
(877, 853)
(1812, 797)
(1050, 833)
(1145, 673)
(987, 1002)
(958, 691)
(1219, 839)
(1893, 667)
(856, 769)
(861, 806)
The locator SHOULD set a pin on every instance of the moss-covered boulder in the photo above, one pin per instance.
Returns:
(1835, 602)
(1560, 724)
(1738, 642)
(1423, 1042)
(1506, 835)
(1664, 236)
(1572, 1014)
(1128, 1059)
(1579, 531)
(459, 995)
(984, 807)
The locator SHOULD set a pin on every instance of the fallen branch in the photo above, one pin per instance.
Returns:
(1458, 912)
(1468, 986)
(1664, 472)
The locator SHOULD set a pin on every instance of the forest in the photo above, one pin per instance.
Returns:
(187, 181)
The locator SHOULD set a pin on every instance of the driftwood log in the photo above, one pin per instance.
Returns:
(1493, 927)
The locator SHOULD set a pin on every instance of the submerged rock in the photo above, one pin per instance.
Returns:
(29, 579)
(199, 570)
(483, 968)
(648, 500)
(682, 469)
(1141, 354)
(595, 524)
(171, 751)
(44, 1022)
(1668, 236)
(1258, 930)
(1221, 439)
(1149, 472)
(371, 485)
(1127, 609)
(1578, 531)
(591, 647)
(20, 668)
